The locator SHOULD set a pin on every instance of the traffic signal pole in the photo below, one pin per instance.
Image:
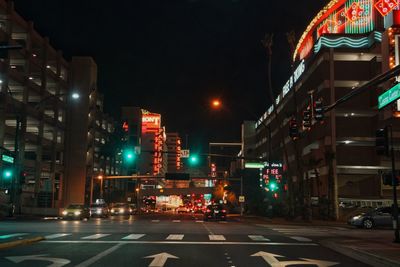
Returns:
(394, 185)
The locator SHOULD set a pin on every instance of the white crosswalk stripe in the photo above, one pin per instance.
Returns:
(258, 238)
(53, 236)
(223, 222)
(303, 231)
(133, 236)
(217, 237)
(155, 220)
(175, 237)
(96, 236)
(300, 238)
(176, 221)
(199, 221)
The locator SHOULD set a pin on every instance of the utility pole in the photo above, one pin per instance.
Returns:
(267, 43)
(395, 212)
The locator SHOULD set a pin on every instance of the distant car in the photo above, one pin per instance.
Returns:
(99, 210)
(374, 218)
(120, 209)
(182, 209)
(215, 212)
(76, 211)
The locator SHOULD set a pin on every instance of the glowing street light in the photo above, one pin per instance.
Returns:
(216, 103)
(75, 96)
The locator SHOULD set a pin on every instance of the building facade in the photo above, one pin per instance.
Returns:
(173, 143)
(347, 44)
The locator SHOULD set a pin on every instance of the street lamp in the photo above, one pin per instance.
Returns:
(216, 103)
(100, 177)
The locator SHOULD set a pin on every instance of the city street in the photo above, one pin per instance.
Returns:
(173, 240)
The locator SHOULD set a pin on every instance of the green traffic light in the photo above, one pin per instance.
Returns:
(129, 156)
(7, 174)
(193, 160)
(272, 186)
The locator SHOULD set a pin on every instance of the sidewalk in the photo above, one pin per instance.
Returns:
(372, 252)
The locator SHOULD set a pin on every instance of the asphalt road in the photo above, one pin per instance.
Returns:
(170, 240)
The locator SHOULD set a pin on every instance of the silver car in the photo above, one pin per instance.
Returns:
(374, 218)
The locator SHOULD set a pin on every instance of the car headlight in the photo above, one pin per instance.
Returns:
(130, 210)
(77, 213)
(357, 217)
(122, 210)
(98, 211)
(112, 210)
(64, 212)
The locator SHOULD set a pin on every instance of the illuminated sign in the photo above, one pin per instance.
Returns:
(389, 96)
(385, 6)
(151, 122)
(252, 165)
(7, 158)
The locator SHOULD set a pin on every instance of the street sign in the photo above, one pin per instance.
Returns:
(185, 153)
(241, 199)
(389, 96)
(7, 158)
(253, 165)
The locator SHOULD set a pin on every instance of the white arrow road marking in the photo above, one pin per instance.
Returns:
(175, 237)
(272, 260)
(56, 262)
(217, 237)
(53, 236)
(96, 236)
(258, 238)
(133, 236)
(268, 257)
(160, 259)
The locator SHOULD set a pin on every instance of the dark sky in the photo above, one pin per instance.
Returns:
(173, 56)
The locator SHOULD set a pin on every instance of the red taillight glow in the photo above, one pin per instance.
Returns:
(208, 210)
(223, 211)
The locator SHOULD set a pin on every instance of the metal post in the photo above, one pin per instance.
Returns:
(394, 182)
(241, 193)
(91, 190)
(15, 180)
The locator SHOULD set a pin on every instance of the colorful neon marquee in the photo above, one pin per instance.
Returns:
(343, 17)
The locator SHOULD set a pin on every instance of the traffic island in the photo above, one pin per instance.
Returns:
(21, 242)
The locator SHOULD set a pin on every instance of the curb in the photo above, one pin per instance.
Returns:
(359, 255)
(21, 242)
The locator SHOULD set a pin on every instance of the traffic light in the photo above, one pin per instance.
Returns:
(382, 141)
(129, 156)
(293, 129)
(7, 174)
(307, 118)
(318, 111)
(273, 186)
(193, 160)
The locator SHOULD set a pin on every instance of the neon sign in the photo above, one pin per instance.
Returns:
(151, 122)
(386, 6)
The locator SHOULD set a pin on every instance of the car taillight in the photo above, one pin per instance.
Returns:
(223, 211)
(208, 210)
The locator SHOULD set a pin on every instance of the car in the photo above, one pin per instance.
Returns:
(76, 211)
(132, 209)
(99, 210)
(215, 212)
(373, 218)
(120, 209)
(181, 209)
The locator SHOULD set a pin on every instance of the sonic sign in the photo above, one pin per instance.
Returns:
(151, 123)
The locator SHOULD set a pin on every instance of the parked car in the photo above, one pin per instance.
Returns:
(373, 218)
(99, 210)
(215, 212)
(76, 211)
(120, 209)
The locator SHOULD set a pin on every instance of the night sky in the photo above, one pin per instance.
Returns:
(173, 56)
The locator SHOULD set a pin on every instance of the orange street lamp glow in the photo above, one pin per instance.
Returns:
(100, 177)
(216, 103)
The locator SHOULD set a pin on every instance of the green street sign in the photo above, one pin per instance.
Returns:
(252, 165)
(389, 96)
(7, 158)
